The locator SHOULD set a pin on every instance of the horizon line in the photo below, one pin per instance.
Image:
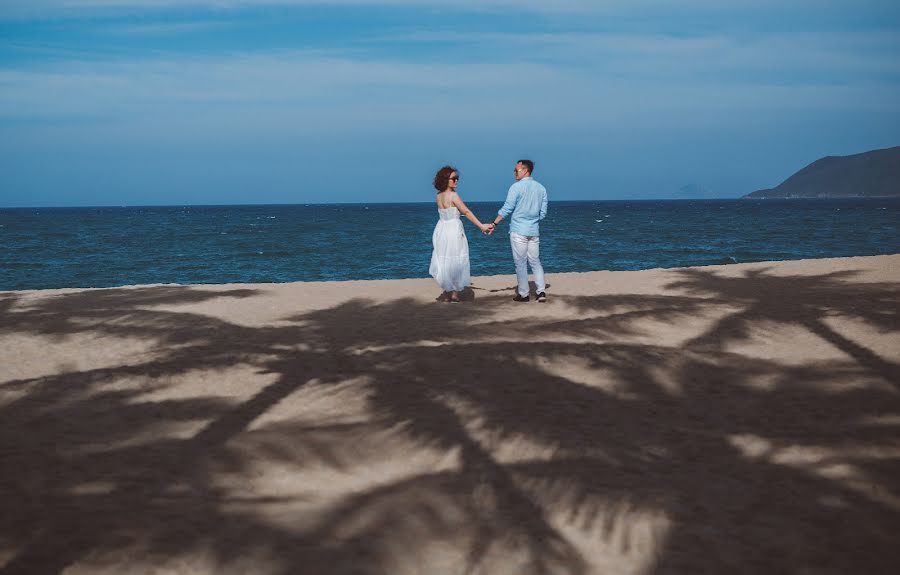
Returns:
(201, 205)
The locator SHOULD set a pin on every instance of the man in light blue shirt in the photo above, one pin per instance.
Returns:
(527, 202)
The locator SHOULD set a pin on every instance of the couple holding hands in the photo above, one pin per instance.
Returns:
(525, 206)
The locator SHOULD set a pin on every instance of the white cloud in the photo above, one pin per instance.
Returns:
(267, 85)
(361, 95)
(571, 80)
(38, 8)
(162, 29)
(558, 5)
(798, 58)
(28, 8)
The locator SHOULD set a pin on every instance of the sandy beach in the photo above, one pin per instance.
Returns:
(725, 419)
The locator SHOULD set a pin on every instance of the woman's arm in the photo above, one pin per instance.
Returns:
(464, 210)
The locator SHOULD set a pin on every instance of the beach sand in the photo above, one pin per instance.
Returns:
(725, 419)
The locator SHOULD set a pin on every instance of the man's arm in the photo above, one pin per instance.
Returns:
(544, 204)
(512, 198)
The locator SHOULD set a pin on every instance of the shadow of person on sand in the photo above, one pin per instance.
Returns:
(467, 294)
(532, 288)
(456, 443)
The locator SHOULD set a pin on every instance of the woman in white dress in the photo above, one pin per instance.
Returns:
(450, 258)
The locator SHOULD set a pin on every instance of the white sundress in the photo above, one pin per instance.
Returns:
(450, 258)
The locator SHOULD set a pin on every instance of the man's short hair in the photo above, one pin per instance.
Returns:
(529, 165)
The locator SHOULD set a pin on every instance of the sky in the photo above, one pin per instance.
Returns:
(165, 102)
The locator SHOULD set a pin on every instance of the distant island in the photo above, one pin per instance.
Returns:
(874, 174)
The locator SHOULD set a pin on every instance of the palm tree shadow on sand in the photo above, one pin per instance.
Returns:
(398, 438)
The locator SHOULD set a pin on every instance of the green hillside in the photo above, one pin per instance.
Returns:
(870, 174)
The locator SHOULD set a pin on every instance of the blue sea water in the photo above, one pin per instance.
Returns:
(108, 246)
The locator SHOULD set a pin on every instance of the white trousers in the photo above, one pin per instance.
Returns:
(526, 250)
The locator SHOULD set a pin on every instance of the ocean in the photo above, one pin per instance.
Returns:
(113, 246)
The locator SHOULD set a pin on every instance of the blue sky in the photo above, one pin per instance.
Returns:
(144, 102)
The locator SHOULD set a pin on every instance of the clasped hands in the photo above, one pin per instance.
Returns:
(489, 229)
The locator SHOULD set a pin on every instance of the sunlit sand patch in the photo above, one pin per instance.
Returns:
(427, 528)
(667, 378)
(410, 346)
(616, 536)
(833, 463)
(882, 341)
(308, 467)
(766, 382)
(219, 389)
(25, 357)
(775, 341)
(232, 382)
(514, 449)
(314, 402)
(750, 445)
(599, 372)
(677, 329)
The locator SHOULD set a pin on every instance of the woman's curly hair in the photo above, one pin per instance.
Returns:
(442, 178)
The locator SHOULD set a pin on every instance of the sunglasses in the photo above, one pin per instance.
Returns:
(455, 178)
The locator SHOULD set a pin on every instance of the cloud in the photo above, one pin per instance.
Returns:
(532, 5)
(529, 4)
(647, 81)
(572, 77)
(45, 8)
(158, 29)
(299, 78)
(67, 8)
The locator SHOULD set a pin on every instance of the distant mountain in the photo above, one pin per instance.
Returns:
(870, 174)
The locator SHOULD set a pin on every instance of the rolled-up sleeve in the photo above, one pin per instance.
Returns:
(544, 204)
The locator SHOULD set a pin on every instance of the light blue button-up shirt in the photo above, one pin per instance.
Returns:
(527, 202)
